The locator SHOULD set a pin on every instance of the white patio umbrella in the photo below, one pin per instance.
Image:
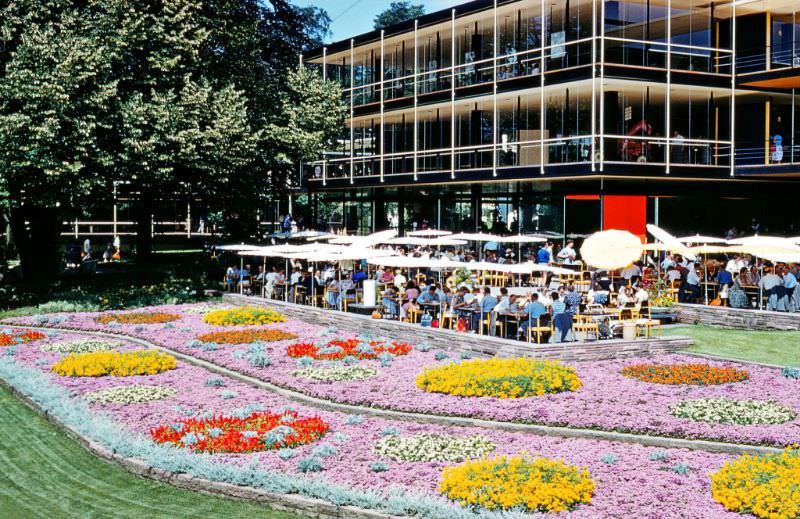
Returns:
(612, 249)
(701, 240)
(408, 240)
(429, 233)
(446, 241)
(233, 247)
(670, 241)
(365, 241)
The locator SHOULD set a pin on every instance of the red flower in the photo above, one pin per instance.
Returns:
(348, 348)
(241, 435)
(10, 339)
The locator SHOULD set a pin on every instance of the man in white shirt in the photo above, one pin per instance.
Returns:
(399, 279)
(631, 273)
(734, 265)
(567, 255)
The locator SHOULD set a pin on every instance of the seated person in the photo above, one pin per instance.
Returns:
(535, 311)
(359, 276)
(737, 297)
(486, 305)
(390, 301)
(597, 295)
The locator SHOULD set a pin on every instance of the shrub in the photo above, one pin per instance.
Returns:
(116, 364)
(658, 456)
(257, 432)
(215, 382)
(609, 459)
(378, 466)
(137, 318)
(243, 316)
(440, 355)
(518, 483)
(790, 372)
(310, 465)
(246, 336)
(354, 419)
(685, 374)
(501, 378)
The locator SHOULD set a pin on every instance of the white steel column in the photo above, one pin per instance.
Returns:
(352, 108)
(383, 115)
(594, 84)
(324, 63)
(495, 126)
(416, 98)
(603, 86)
(115, 208)
(667, 148)
(541, 92)
(733, 91)
(453, 94)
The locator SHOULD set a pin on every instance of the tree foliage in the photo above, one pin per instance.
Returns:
(399, 12)
(174, 98)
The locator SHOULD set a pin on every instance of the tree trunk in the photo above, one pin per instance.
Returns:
(144, 227)
(36, 235)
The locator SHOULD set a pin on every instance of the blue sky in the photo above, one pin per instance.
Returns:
(351, 17)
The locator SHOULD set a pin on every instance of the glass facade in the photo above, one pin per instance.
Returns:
(536, 85)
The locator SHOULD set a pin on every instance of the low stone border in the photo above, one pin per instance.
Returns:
(480, 345)
(738, 318)
(406, 416)
(283, 502)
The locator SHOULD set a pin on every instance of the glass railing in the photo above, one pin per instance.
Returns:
(551, 151)
(767, 153)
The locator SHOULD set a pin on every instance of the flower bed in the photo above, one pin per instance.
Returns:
(243, 316)
(739, 412)
(20, 337)
(632, 480)
(256, 432)
(530, 485)
(125, 395)
(685, 374)
(607, 400)
(765, 486)
(137, 318)
(502, 378)
(338, 349)
(81, 346)
(246, 336)
(434, 447)
(336, 373)
(102, 363)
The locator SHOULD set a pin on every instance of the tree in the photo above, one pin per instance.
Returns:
(311, 117)
(399, 12)
(178, 98)
(53, 99)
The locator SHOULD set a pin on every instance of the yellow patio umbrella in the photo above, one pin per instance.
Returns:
(612, 249)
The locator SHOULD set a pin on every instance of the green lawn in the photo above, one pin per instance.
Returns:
(45, 474)
(780, 348)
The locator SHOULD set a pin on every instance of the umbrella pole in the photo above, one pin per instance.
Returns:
(705, 278)
(264, 279)
(760, 287)
(241, 269)
(314, 284)
(286, 279)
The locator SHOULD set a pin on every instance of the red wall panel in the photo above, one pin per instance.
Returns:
(628, 213)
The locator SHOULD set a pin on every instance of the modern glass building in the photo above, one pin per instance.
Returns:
(567, 116)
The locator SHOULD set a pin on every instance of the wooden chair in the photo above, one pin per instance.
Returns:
(487, 323)
(538, 328)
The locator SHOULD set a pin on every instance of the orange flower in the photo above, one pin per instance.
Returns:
(137, 318)
(246, 336)
(17, 337)
(685, 374)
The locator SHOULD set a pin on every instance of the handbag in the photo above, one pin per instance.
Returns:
(461, 325)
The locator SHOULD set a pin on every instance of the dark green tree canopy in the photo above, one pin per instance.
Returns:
(178, 98)
(399, 12)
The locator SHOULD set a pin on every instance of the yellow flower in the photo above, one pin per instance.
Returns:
(500, 378)
(243, 316)
(116, 364)
(535, 485)
(765, 486)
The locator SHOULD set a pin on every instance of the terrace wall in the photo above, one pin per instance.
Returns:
(738, 318)
(479, 345)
